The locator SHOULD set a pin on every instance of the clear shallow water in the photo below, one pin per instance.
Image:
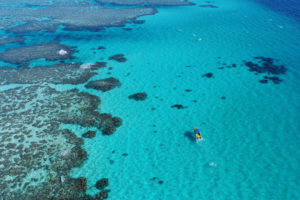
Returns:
(251, 141)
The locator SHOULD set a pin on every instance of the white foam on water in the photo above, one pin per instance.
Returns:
(62, 52)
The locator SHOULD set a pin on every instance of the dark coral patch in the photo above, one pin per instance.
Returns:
(89, 134)
(102, 195)
(263, 81)
(208, 75)
(188, 90)
(118, 58)
(141, 96)
(274, 79)
(101, 48)
(178, 106)
(208, 6)
(98, 65)
(102, 183)
(265, 65)
(104, 84)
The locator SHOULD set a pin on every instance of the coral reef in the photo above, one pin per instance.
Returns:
(147, 2)
(6, 40)
(36, 155)
(63, 73)
(49, 51)
(118, 57)
(69, 16)
(141, 96)
(89, 134)
(104, 84)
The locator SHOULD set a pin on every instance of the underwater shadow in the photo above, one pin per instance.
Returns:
(190, 135)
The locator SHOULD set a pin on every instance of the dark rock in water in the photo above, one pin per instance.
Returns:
(125, 154)
(111, 162)
(223, 98)
(104, 84)
(89, 134)
(102, 195)
(141, 96)
(102, 183)
(188, 90)
(118, 57)
(101, 47)
(208, 6)
(160, 182)
(263, 81)
(178, 106)
(208, 75)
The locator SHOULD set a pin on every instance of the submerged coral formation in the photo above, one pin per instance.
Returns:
(147, 2)
(5, 40)
(36, 155)
(104, 84)
(49, 51)
(140, 96)
(70, 16)
(63, 73)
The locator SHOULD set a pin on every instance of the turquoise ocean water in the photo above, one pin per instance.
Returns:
(251, 139)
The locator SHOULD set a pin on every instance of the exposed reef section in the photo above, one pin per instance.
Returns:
(71, 17)
(63, 73)
(104, 84)
(49, 51)
(6, 40)
(36, 155)
(147, 2)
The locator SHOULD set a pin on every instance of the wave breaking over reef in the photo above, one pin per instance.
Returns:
(35, 152)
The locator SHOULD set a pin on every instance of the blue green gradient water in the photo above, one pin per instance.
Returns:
(251, 139)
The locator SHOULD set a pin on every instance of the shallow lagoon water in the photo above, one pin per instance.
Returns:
(250, 148)
(250, 138)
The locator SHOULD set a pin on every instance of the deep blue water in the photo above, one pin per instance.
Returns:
(290, 8)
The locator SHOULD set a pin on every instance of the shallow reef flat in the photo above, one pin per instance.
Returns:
(5, 40)
(72, 17)
(36, 155)
(147, 2)
(63, 73)
(49, 51)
